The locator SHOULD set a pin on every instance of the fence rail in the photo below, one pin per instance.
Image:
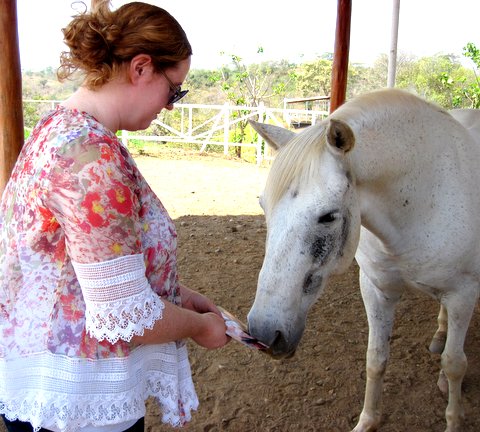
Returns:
(207, 125)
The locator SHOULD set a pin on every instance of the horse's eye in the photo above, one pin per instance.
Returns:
(327, 218)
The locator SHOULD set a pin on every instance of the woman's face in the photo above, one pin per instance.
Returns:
(171, 79)
(154, 94)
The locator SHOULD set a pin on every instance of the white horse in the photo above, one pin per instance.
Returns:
(394, 182)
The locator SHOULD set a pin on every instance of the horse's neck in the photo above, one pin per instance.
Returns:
(400, 162)
(382, 158)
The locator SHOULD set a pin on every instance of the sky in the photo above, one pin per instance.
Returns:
(298, 31)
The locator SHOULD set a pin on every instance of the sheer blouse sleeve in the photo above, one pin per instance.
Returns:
(94, 194)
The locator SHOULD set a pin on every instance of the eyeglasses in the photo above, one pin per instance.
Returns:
(178, 93)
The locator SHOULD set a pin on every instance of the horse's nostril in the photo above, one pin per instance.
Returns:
(278, 338)
(279, 344)
(279, 347)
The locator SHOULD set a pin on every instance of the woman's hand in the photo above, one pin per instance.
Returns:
(213, 336)
(198, 319)
(197, 302)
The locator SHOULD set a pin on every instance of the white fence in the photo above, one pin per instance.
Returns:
(214, 125)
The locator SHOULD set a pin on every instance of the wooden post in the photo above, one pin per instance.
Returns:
(11, 110)
(340, 55)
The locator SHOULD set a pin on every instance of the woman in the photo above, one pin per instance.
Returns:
(92, 315)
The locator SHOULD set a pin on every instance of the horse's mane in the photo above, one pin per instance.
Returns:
(298, 162)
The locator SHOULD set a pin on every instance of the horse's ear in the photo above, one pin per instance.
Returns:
(275, 136)
(340, 136)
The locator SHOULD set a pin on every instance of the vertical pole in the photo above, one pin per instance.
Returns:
(226, 127)
(392, 58)
(340, 55)
(261, 117)
(11, 110)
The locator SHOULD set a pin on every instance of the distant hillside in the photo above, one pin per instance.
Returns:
(45, 85)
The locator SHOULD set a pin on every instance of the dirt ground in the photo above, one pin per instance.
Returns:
(214, 202)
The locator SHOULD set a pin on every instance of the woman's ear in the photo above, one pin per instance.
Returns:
(140, 66)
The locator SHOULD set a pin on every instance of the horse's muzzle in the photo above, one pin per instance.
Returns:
(279, 348)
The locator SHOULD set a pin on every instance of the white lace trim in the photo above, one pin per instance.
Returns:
(54, 391)
(118, 298)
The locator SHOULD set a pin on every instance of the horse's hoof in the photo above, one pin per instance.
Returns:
(361, 428)
(453, 428)
(366, 423)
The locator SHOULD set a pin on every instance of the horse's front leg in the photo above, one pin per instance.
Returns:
(380, 310)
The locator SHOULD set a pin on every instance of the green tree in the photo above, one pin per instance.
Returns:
(314, 78)
(439, 78)
(254, 83)
(250, 85)
(203, 90)
(471, 89)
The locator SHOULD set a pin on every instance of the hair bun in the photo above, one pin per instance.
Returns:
(101, 41)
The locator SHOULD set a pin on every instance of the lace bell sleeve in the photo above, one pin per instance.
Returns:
(119, 301)
(94, 195)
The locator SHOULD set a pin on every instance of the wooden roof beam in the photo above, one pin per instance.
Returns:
(341, 53)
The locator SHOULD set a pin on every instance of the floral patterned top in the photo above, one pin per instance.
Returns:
(87, 253)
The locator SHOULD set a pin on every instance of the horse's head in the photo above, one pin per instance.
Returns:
(313, 225)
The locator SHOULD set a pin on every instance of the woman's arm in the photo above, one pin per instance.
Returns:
(206, 329)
